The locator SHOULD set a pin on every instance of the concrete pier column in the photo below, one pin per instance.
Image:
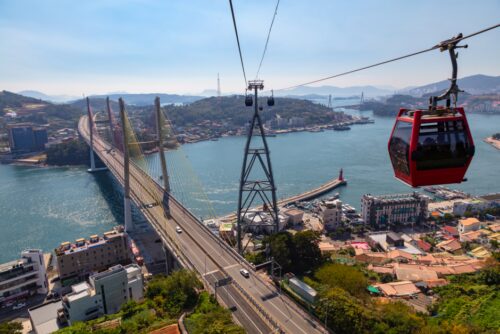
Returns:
(171, 263)
(127, 215)
(91, 129)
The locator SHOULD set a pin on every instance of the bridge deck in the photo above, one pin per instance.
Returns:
(198, 249)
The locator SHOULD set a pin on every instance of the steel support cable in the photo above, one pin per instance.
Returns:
(267, 40)
(238, 41)
(197, 186)
(189, 168)
(438, 46)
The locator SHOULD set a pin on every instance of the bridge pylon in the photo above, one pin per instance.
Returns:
(126, 171)
(163, 163)
(92, 128)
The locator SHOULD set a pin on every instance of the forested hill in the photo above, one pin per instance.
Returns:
(12, 100)
(232, 109)
(226, 109)
(29, 109)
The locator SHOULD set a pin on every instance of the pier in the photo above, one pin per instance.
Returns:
(306, 196)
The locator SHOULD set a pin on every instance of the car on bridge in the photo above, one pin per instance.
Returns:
(178, 229)
(244, 273)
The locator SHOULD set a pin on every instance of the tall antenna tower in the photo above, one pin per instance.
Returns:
(218, 86)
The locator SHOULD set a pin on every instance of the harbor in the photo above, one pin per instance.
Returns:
(306, 196)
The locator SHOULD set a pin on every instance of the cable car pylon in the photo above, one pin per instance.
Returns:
(257, 180)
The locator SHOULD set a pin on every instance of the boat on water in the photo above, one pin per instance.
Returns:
(431, 190)
(341, 128)
(333, 197)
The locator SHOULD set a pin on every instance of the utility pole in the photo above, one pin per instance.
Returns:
(126, 170)
(263, 189)
(164, 173)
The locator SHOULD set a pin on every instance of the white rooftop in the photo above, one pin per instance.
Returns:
(44, 318)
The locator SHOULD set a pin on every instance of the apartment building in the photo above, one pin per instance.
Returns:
(78, 260)
(331, 214)
(23, 277)
(104, 293)
(394, 210)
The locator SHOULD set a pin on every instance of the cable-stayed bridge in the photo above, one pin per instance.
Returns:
(256, 303)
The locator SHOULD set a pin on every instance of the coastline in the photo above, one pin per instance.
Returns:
(493, 142)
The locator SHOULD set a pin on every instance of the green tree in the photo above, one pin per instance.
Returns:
(12, 327)
(281, 248)
(209, 317)
(490, 275)
(307, 253)
(342, 276)
(177, 291)
(398, 318)
(343, 313)
(448, 217)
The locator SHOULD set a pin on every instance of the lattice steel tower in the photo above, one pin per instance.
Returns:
(257, 181)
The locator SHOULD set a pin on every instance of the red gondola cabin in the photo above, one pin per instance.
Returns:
(431, 148)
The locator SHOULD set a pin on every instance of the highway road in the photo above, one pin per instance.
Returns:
(256, 304)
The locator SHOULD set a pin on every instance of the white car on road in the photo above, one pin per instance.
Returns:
(178, 229)
(244, 273)
(19, 306)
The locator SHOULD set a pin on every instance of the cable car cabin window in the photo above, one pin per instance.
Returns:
(441, 145)
(399, 147)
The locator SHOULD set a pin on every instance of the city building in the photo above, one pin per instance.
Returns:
(391, 241)
(295, 216)
(78, 260)
(394, 210)
(24, 138)
(468, 225)
(296, 122)
(47, 318)
(104, 293)
(24, 277)
(40, 138)
(451, 246)
(226, 232)
(470, 205)
(331, 214)
(262, 222)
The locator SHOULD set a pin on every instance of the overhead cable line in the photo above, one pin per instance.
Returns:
(443, 44)
(267, 40)
(238, 41)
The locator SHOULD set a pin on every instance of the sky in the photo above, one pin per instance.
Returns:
(179, 46)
